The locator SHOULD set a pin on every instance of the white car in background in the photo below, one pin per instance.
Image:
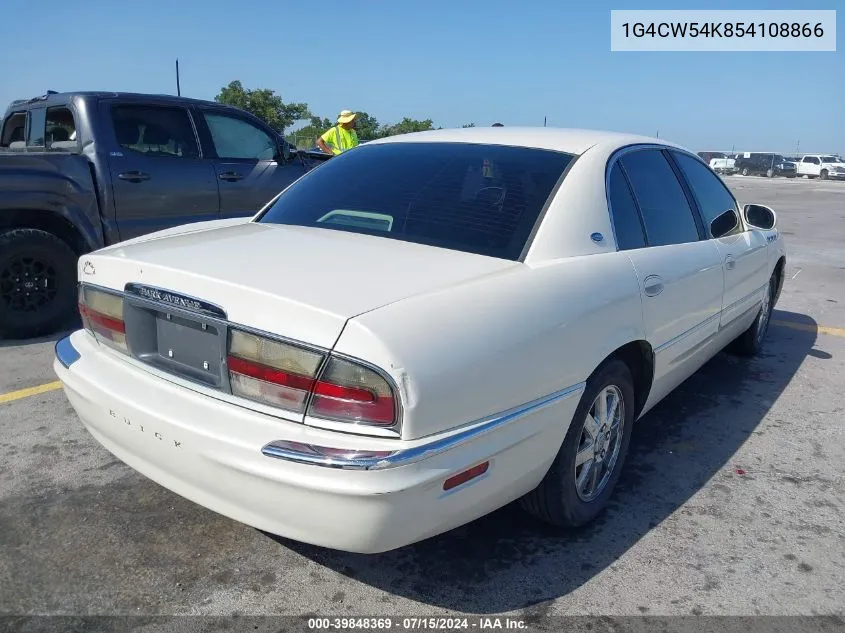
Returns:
(724, 165)
(821, 166)
(420, 331)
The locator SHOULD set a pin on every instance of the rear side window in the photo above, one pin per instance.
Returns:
(155, 131)
(482, 199)
(666, 212)
(711, 195)
(61, 129)
(14, 130)
(626, 218)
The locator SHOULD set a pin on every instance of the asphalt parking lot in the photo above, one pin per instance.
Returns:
(732, 503)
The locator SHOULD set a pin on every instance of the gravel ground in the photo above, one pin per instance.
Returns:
(732, 502)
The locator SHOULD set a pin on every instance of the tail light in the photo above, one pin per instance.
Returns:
(350, 392)
(271, 372)
(287, 376)
(102, 316)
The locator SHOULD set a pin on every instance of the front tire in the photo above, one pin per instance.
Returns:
(745, 171)
(750, 342)
(582, 477)
(37, 283)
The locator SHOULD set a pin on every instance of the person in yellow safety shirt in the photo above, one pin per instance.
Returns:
(341, 137)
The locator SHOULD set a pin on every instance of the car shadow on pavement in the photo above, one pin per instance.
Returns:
(52, 338)
(71, 325)
(507, 560)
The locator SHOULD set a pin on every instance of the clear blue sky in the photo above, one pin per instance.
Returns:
(453, 61)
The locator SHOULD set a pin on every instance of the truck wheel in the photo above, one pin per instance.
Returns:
(37, 283)
(823, 174)
(745, 171)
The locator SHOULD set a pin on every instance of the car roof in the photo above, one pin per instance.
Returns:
(52, 98)
(569, 140)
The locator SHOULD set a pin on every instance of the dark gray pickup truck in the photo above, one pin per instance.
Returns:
(79, 171)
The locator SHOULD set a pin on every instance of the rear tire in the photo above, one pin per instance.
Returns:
(750, 342)
(37, 283)
(563, 498)
(823, 174)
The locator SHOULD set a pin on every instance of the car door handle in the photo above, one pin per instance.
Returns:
(133, 176)
(230, 175)
(730, 262)
(653, 285)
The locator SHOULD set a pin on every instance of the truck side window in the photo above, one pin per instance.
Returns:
(13, 130)
(35, 135)
(236, 139)
(61, 128)
(155, 130)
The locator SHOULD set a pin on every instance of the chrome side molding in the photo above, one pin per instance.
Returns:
(353, 459)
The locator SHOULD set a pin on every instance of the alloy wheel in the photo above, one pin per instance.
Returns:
(765, 313)
(27, 284)
(600, 442)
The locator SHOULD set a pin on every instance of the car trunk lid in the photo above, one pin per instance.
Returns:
(298, 282)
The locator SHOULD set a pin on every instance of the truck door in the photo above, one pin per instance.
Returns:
(158, 176)
(247, 159)
(811, 166)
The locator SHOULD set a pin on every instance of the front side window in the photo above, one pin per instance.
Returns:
(666, 212)
(711, 195)
(236, 139)
(829, 159)
(482, 199)
(155, 130)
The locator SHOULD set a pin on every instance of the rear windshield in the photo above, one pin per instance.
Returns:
(482, 199)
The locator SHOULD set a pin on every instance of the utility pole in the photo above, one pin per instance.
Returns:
(658, 134)
(797, 145)
(544, 121)
(178, 88)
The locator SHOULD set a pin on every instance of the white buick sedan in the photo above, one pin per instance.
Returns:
(420, 331)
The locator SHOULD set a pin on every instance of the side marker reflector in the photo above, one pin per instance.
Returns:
(465, 476)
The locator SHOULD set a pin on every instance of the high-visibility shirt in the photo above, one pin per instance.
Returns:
(339, 139)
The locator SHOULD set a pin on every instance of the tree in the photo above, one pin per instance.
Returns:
(263, 103)
(407, 125)
(367, 127)
(468, 125)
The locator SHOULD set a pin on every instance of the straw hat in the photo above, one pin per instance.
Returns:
(346, 116)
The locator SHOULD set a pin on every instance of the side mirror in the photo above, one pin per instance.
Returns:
(724, 224)
(283, 154)
(759, 216)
